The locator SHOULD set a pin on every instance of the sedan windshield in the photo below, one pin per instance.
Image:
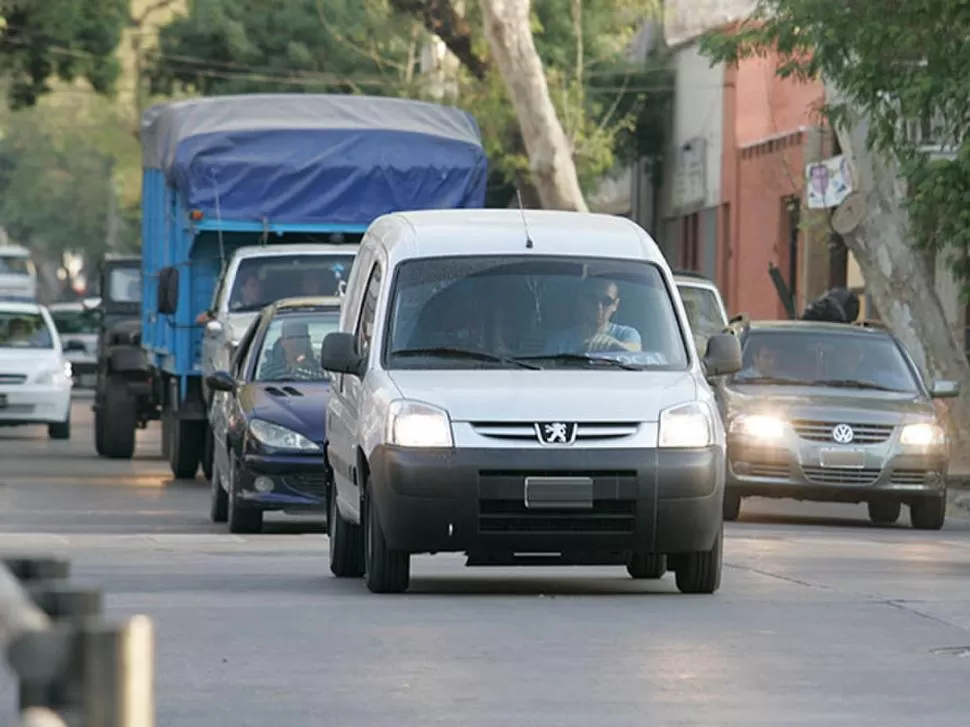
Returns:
(24, 330)
(548, 312)
(290, 349)
(70, 321)
(817, 358)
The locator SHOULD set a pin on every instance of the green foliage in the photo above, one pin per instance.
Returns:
(57, 178)
(67, 39)
(900, 63)
(246, 46)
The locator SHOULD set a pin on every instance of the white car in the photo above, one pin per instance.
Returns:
(35, 377)
(18, 277)
(704, 305)
(77, 325)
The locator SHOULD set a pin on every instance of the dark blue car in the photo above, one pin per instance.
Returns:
(269, 416)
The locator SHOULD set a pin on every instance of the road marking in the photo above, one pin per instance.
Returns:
(195, 539)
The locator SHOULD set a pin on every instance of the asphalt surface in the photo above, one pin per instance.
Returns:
(821, 619)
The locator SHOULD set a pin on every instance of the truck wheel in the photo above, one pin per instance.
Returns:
(346, 542)
(185, 447)
(700, 572)
(928, 513)
(385, 570)
(118, 422)
(207, 451)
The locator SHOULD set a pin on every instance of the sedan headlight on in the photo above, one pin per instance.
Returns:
(56, 376)
(277, 437)
(415, 424)
(758, 426)
(686, 426)
(922, 434)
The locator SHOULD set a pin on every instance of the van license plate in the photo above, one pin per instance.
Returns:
(559, 492)
(847, 458)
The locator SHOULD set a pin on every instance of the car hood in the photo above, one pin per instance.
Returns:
(29, 361)
(297, 405)
(811, 402)
(521, 395)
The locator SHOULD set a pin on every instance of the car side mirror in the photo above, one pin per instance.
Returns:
(221, 381)
(723, 355)
(90, 305)
(338, 353)
(945, 389)
(213, 329)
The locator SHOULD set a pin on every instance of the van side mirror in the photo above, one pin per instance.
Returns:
(723, 355)
(338, 353)
(221, 381)
(943, 389)
(168, 290)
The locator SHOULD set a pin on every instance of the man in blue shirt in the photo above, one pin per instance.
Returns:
(599, 301)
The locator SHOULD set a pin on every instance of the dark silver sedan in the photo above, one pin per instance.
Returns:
(834, 413)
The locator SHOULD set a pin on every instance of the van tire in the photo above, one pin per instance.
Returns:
(701, 572)
(385, 570)
(346, 542)
(647, 566)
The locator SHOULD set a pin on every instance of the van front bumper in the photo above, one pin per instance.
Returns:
(474, 500)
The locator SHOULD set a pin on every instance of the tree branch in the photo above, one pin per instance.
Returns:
(441, 19)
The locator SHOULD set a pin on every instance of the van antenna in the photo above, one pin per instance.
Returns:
(525, 224)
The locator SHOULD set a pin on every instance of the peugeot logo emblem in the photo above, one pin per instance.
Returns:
(556, 432)
(842, 433)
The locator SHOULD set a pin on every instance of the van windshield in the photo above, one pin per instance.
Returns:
(549, 312)
(72, 321)
(261, 281)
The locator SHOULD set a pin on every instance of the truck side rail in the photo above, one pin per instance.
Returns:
(74, 668)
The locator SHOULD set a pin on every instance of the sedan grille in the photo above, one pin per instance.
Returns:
(13, 378)
(314, 485)
(841, 476)
(821, 431)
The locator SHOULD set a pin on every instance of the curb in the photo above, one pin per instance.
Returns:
(958, 494)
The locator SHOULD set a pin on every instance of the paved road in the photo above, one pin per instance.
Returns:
(822, 620)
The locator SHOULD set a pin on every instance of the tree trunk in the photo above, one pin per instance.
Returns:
(509, 33)
(897, 277)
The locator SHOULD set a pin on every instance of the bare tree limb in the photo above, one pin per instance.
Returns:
(441, 19)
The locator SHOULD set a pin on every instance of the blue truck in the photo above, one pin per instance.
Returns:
(222, 173)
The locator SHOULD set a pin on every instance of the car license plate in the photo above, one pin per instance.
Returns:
(3, 401)
(559, 492)
(842, 457)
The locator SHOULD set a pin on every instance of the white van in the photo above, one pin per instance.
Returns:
(523, 393)
(18, 277)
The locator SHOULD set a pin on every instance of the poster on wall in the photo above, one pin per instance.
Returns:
(827, 183)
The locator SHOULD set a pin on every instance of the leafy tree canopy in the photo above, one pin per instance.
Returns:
(42, 40)
(903, 65)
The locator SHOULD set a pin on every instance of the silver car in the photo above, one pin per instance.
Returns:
(834, 413)
(704, 305)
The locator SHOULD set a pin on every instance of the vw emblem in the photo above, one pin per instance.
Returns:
(842, 433)
(556, 432)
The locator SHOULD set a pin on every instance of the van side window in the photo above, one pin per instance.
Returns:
(368, 311)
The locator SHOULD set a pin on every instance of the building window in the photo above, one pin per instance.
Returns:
(690, 242)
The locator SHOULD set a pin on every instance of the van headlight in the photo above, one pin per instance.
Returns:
(416, 424)
(277, 437)
(686, 426)
(922, 434)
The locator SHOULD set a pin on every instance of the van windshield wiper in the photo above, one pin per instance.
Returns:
(446, 352)
(851, 384)
(583, 357)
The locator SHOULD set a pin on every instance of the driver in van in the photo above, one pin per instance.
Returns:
(599, 301)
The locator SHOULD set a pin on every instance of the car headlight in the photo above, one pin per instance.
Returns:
(415, 424)
(922, 434)
(277, 437)
(758, 426)
(56, 376)
(686, 426)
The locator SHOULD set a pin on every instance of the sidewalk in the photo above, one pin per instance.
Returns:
(958, 490)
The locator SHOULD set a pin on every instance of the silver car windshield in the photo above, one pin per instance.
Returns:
(703, 310)
(816, 358)
(548, 312)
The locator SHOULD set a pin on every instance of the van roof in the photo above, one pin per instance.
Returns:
(297, 248)
(441, 233)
